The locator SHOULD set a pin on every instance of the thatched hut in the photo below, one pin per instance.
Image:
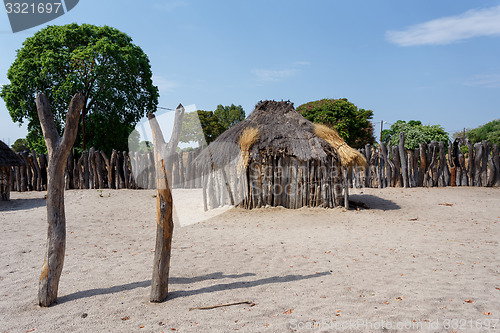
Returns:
(8, 159)
(275, 157)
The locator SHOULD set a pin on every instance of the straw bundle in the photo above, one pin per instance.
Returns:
(348, 156)
(248, 137)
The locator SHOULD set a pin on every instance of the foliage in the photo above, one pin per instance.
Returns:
(145, 147)
(113, 74)
(205, 126)
(229, 115)
(352, 124)
(20, 145)
(415, 133)
(489, 132)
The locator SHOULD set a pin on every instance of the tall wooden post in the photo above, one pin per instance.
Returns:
(58, 149)
(402, 157)
(163, 154)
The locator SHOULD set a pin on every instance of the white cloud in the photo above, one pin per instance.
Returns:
(163, 84)
(169, 6)
(270, 75)
(486, 81)
(447, 30)
(273, 75)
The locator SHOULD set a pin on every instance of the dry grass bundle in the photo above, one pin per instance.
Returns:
(248, 137)
(348, 156)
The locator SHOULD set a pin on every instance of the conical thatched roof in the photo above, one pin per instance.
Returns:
(8, 157)
(281, 131)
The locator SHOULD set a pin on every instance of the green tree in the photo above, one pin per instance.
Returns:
(415, 133)
(229, 115)
(489, 132)
(352, 124)
(205, 126)
(102, 63)
(201, 126)
(20, 145)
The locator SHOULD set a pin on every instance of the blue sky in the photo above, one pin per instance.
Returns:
(435, 61)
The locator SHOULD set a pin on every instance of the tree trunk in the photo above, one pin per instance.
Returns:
(453, 161)
(402, 157)
(125, 169)
(36, 165)
(423, 165)
(411, 174)
(112, 170)
(484, 164)
(164, 206)
(491, 166)
(432, 174)
(368, 155)
(496, 161)
(345, 174)
(43, 170)
(383, 165)
(478, 156)
(470, 163)
(397, 166)
(464, 180)
(58, 150)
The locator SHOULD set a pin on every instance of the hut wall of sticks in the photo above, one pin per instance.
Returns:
(276, 157)
(8, 159)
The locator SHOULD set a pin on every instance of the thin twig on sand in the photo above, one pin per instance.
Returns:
(221, 305)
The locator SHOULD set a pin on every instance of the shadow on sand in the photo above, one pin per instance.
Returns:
(21, 204)
(243, 284)
(186, 293)
(374, 202)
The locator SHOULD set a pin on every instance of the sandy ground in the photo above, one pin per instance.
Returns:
(408, 261)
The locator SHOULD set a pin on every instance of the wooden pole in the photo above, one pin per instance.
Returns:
(470, 163)
(58, 149)
(402, 156)
(163, 153)
(478, 157)
(496, 161)
(345, 174)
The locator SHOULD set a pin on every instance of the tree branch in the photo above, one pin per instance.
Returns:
(176, 131)
(47, 121)
(158, 139)
(71, 126)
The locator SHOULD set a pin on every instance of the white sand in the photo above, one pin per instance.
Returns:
(407, 259)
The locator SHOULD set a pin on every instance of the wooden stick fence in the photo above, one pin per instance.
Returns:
(94, 170)
(429, 165)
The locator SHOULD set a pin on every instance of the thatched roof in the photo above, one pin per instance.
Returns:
(8, 157)
(282, 131)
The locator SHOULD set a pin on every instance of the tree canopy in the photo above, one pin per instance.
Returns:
(489, 132)
(229, 115)
(213, 123)
(415, 133)
(20, 145)
(352, 124)
(102, 63)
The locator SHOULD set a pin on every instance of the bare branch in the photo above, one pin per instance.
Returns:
(158, 139)
(71, 126)
(47, 121)
(176, 132)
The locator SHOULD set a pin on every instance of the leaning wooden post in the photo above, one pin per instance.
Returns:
(163, 153)
(58, 149)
